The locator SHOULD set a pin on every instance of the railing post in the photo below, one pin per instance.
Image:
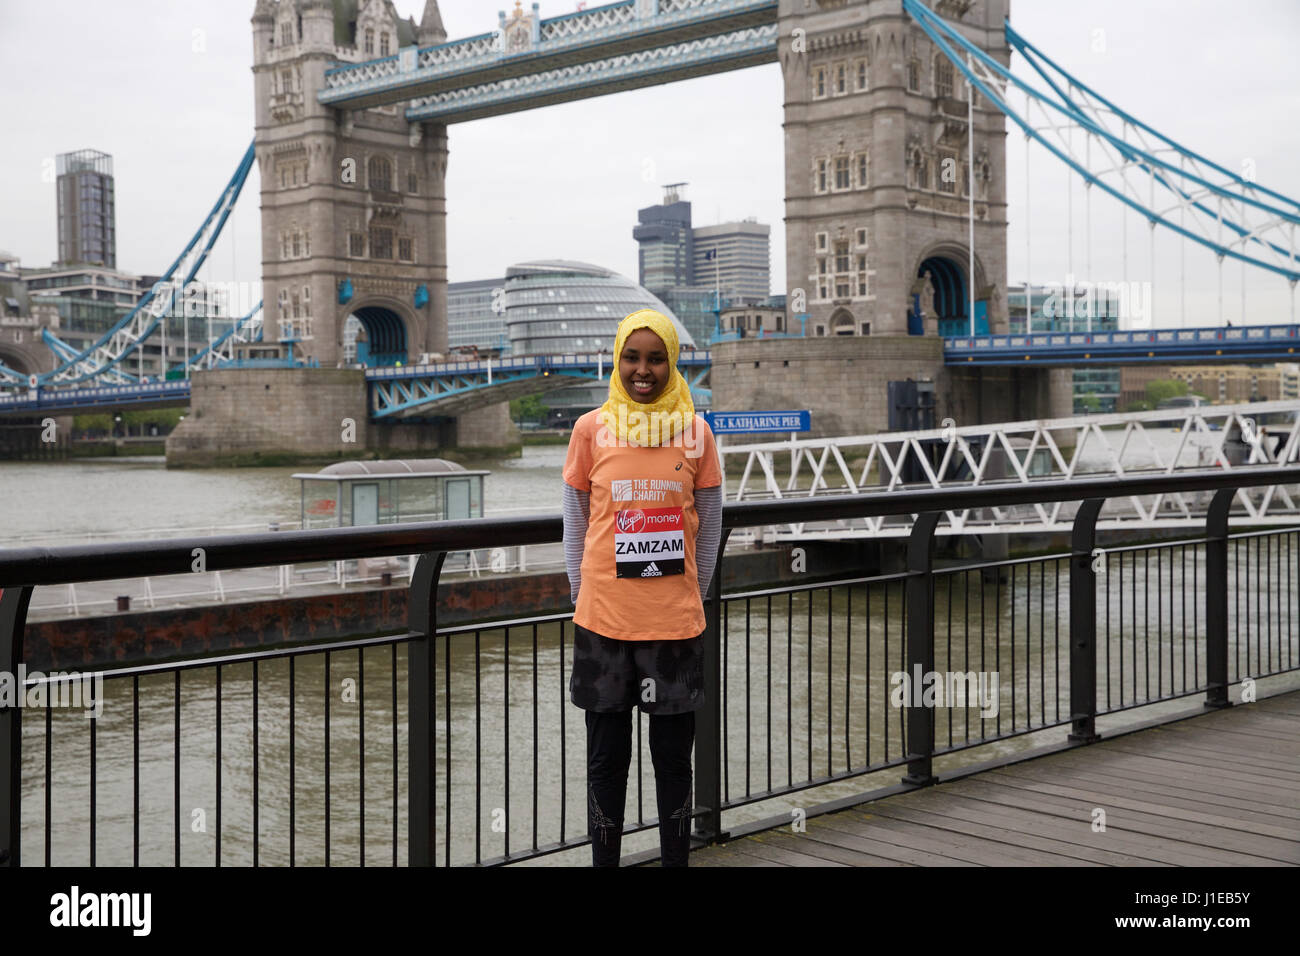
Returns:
(1216, 599)
(1083, 624)
(920, 649)
(422, 618)
(708, 719)
(13, 623)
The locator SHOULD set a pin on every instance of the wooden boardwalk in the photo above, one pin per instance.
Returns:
(1221, 789)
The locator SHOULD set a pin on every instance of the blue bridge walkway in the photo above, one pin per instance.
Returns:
(451, 388)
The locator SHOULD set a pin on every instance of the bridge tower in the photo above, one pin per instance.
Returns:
(353, 201)
(877, 172)
(353, 227)
(877, 186)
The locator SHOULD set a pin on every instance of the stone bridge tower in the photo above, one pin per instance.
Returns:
(877, 186)
(877, 169)
(353, 228)
(353, 201)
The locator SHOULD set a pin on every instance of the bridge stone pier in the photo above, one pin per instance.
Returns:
(845, 382)
(266, 416)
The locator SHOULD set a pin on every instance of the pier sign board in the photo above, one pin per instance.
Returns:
(740, 423)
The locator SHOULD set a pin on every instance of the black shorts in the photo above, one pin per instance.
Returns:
(660, 677)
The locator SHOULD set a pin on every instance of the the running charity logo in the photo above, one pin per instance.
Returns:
(77, 909)
(58, 689)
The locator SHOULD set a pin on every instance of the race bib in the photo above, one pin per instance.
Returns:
(649, 542)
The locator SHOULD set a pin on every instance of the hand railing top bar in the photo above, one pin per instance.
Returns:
(34, 566)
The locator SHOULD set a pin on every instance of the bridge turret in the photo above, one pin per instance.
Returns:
(431, 30)
(317, 34)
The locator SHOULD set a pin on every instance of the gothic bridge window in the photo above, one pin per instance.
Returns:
(379, 171)
(943, 76)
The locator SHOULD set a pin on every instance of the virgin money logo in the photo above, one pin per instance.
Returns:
(630, 522)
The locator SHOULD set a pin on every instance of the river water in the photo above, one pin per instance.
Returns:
(832, 655)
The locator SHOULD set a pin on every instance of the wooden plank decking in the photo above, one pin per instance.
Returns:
(1221, 789)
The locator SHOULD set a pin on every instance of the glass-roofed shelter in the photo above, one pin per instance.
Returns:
(352, 493)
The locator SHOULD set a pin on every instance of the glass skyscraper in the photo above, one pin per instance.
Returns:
(471, 320)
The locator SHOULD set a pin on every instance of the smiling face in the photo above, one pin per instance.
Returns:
(644, 367)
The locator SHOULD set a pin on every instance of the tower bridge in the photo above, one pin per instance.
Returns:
(896, 266)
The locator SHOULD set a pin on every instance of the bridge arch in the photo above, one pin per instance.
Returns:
(19, 359)
(944, 298)
(842, 323)
(388, 326)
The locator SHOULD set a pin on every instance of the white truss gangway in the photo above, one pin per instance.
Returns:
(958, 457)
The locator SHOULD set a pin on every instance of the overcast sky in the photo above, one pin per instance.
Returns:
(165, 86)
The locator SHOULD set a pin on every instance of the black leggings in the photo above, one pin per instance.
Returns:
(609, 755)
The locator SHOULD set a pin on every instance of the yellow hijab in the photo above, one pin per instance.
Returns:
(648, 423)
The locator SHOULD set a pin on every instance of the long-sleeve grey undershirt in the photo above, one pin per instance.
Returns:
(577, 514)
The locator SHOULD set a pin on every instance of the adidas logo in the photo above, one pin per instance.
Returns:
(652, 571)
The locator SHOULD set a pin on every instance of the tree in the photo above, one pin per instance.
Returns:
(1164, 388)
(97, 424)
(1090, 403)
(530, 408)
(167, 418)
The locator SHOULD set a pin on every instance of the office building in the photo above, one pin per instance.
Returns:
(561, 307)
(472, 322)
(665, 246)
(1230, 384)
(696, 270)
(86, 209)
(734, 258)
(91, 300)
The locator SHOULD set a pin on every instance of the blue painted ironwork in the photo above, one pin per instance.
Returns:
(72, 400)
(205, 355)
(399, 391)
(1237, 197)
(742, 48)
(612, 32)
(66, 352)
(134, 328)
(1236, 343)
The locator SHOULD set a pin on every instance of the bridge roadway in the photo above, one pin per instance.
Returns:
(1247, 343)
(451, 388)
(611, 47)
(1216, 788)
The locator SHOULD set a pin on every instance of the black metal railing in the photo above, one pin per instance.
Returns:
(454, 745)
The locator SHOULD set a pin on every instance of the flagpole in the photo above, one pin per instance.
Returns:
(970, 187)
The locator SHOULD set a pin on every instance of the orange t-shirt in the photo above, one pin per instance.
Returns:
(639, 581)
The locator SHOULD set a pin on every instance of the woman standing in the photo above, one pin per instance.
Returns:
(642, 520)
